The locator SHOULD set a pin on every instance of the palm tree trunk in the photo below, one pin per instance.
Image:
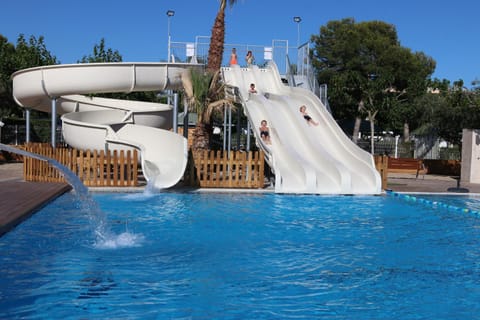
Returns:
(201, 137)
(215, 51)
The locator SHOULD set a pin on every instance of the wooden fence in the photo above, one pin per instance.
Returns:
(95, 169)
(381, 164)
(216, 169)
(207, 169)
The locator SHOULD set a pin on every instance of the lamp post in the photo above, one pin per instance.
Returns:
(170, 13)
(298, 20)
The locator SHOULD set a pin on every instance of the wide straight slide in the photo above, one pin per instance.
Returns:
(306, 156)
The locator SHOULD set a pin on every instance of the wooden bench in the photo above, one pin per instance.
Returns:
(406, 165)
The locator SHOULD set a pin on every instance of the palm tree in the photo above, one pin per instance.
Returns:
(215, 51)
(205, 94)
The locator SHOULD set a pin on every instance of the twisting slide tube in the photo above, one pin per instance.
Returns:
(109, 124)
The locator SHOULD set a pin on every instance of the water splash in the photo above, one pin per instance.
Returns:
(123, 240)
(104, 237)
(150, 189)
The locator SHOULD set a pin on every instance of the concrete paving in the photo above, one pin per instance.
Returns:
(430, 184)
(399, 182)
(11, 171)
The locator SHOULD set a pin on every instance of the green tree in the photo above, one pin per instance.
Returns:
(411, 72)
(217, 39)
(461, 110)
(102, 54)
(367, 70)
(25, 54)
(7, 67)
(419, 108)
(205, 95)
(33, 53)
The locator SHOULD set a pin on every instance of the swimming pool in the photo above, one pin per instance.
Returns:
(243, 256)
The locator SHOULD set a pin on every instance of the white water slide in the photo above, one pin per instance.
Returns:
(109, 124)
(306, 159)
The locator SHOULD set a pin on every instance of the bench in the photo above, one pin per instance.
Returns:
(406, 165)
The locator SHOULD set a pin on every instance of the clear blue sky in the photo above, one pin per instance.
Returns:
(446, 31)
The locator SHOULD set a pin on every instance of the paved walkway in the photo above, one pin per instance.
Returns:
(11, 171)
(429, 184)
(397, 182)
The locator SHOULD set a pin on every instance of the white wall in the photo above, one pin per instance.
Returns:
(470, 156)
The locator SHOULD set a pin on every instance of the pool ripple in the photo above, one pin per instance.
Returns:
(234, 256)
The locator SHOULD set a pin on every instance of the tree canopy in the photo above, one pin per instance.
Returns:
(102, 54)
(25, 54)
(368, 71)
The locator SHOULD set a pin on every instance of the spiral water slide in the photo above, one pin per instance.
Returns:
(109, 124)
(305, 159)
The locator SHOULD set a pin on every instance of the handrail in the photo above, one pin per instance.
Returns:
(237, 97)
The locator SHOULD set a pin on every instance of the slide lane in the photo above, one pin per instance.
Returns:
(296, 168)
(358, 162)
(314, 159)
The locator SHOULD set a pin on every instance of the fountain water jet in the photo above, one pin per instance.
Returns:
(104, 238)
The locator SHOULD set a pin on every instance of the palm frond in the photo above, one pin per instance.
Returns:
(217, 106)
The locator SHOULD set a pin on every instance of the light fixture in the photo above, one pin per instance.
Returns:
(298, 20)
(170, 13)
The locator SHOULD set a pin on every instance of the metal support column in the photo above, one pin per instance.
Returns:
(224, 129)
(27, 125)
(185, 118)
(229, 130)
(239, 129)
(175, 112)
(248, 135)
(53, 133)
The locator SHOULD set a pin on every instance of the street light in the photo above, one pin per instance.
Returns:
(298, 20)
(170, 13)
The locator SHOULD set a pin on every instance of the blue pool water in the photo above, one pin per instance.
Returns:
(243, 256)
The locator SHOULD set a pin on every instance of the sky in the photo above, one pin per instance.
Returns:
(449, 32)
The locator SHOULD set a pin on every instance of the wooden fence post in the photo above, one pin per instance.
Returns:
(381, 164)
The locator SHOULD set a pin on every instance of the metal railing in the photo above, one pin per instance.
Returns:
(197, 51)
(278, 51)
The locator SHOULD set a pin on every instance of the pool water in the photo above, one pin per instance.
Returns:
(243, 256)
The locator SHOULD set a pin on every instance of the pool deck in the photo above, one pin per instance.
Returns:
(20, 199)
